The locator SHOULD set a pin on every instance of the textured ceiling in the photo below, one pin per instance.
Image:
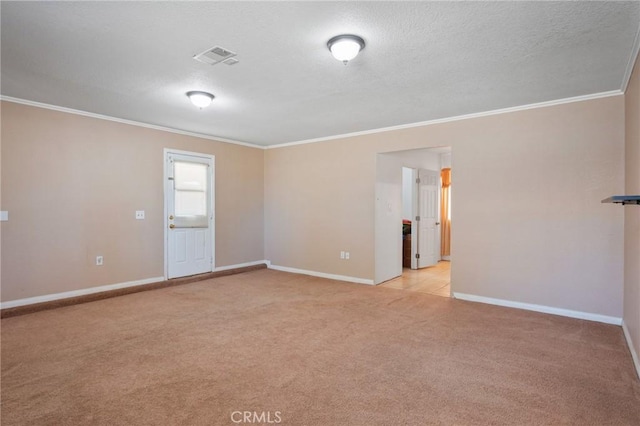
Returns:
(423, 61)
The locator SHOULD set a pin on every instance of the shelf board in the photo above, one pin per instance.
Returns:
(623, 199)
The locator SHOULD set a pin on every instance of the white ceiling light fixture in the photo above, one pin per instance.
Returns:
(200, 99)
(345, 47)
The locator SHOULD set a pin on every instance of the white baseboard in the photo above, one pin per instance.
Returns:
(100, 289)
(76, 293)
(632, 349)
(242, 265)
(322, 274)
(540, 308)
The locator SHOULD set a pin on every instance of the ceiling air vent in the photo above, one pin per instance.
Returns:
(216, 55)
(230, 61)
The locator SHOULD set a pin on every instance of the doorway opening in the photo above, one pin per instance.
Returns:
(434, 280)
(418, 184)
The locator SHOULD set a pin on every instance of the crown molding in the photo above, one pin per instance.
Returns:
(328, 138)
(125, 121)
(632, 60)
(455, 118)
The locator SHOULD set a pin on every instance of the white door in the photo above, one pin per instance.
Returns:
(427, 220)
(189, 213)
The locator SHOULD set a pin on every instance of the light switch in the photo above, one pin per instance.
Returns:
(4, 216)
(139, 214)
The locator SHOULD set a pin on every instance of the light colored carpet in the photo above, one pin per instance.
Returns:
(318, 352)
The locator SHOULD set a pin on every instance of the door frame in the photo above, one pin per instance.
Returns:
(420, 212)
(165, 188)
(415, 211)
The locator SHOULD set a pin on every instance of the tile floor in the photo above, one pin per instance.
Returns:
(434, 280)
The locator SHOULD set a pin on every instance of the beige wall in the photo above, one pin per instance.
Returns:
(632, 213)
(1, 223)
(528, 225)
(72, 184)
(388, 216)
(319, 200)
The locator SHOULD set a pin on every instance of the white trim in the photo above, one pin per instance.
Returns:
(456, 118)
(631, 63)
(76, 293)
(321, 274)
(540, 308)
(125, 121)
(632, 349)
(345, 135)
(242, 265)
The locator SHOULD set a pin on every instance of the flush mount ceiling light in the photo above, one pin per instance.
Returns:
(345, 47)
(200, 99)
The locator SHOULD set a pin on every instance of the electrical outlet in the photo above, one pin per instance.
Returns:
(346, 255)
(341, 255)
(99, 260)
(139, 214)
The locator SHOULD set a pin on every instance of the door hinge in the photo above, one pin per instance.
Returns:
(417, 255)
(417, 218)
(418, 180)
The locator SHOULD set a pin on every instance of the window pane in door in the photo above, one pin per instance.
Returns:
(190, 176)
(190, 203)
(190, 195)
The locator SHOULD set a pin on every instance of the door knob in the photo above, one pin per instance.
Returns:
(437, 223)
(171, 217)
(172, 226)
